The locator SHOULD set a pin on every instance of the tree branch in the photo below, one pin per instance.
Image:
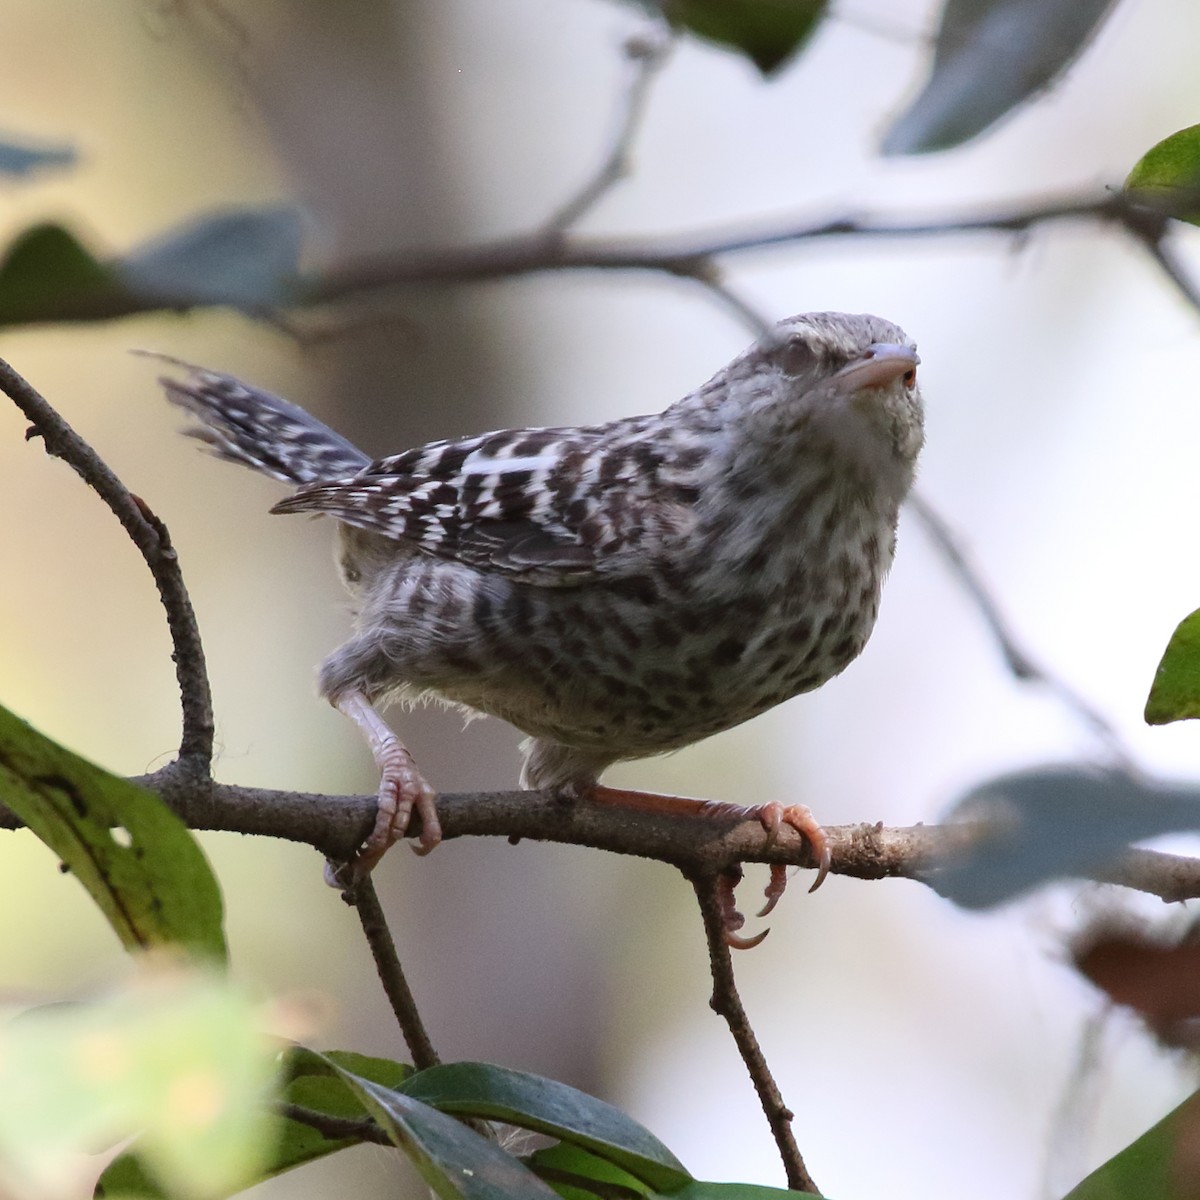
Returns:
(699, 846)
(726, 1003)
(646, 53)
(692, 255)
(365, 899)
(150, 536)
(336, 1128)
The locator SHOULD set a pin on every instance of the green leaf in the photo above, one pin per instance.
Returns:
(176, 1057)
(139, 862)
(308, 1082)
(1058, 821)
(570, 1170)
(456, 1162)
(245, 258)
(1167, 177)
(989, 57)
(1175, 692)
(19, 160)
(545, 1106)
(768, 32)
(49, 275)
(1146, 1169)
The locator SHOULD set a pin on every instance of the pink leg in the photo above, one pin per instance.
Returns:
(401, 787)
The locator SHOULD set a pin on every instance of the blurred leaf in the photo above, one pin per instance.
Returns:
(1059, 821)
(768, 32)
(21, 160)
(545, 1106)
(1167, 177)
(1175, 692)
(126, 1178)
(248, 258)
(1163, 1164)
(180, 1059)
(308, 1082)
(48, 275)
(1158, 979)
(136, 858)
(454, 1161)
(989, 57)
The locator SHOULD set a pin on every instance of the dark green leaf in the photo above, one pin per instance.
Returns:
(248, 258)
(1167, 177)
(545, 1106)
(768, 32)
(126, 1178)
(1055, 822)
(137, 859)
(454, 1161)
(1147, 1169)
(25, 159)
(49, 275)
(989, 57)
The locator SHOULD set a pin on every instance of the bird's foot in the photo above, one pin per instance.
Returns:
(772, 816)
(402, 789)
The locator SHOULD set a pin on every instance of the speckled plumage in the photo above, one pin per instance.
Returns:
(616, 590)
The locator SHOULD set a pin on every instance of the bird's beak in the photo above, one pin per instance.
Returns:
(877, 366)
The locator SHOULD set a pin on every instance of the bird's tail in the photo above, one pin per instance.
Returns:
(244, 425)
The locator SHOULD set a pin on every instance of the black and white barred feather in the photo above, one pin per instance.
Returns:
(246, 425)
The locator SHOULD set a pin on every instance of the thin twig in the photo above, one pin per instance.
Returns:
(646, 53)
(336, 1129)
(728, 1004)
(391, 973)
(1023, 666)
(690, 255)
(150, 536)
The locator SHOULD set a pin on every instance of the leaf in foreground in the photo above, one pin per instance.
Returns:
(546, 1106)
(1160, 1165)
(456, 1162)
(179, 1058)
(989, 57)
(137, 859)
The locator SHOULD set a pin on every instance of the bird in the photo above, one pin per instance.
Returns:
(614, 591)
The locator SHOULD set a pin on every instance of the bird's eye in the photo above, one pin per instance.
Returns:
(796, 356)
(910, 377)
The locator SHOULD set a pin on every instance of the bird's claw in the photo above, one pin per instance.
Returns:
(402, 789)
(731, 919)
(773, 816)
